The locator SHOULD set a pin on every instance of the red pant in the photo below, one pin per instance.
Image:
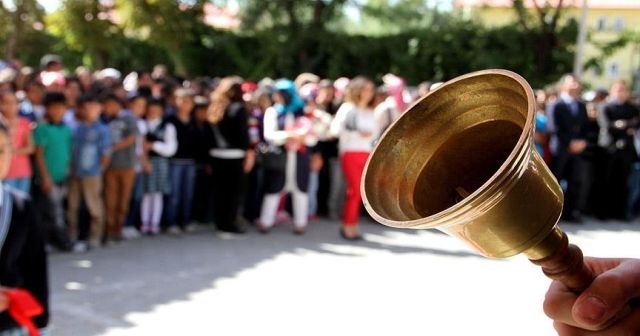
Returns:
(352, 165)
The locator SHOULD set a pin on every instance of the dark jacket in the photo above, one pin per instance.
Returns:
(570, 126)
(622, 121)
(234, 128)
(186, 138)
(23, 261)
(205, 140)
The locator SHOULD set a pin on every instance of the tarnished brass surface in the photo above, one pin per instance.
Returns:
(462, 160)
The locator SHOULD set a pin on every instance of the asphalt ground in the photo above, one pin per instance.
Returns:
(394, 282)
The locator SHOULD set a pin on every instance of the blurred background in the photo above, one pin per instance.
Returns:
(201, 96)
(416, 39)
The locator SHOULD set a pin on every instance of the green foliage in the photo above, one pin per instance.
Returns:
(85, 27)
(384, 17)
(551, 39)
(282, 38)
(87, 34)
(609, 48)
(260, 14)
(16, 24)
(170, 25)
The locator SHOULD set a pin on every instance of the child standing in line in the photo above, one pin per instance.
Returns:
(120, 175)
(32, 106)
(182, 165)
(161, 143)
(53, 157)
(20, 172)
(23, 261)
(90, 157)
(137, 107)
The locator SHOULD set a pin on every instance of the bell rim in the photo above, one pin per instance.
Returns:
(503, 177)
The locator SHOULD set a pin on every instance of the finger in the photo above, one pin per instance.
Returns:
(627, 326)
(559, 302)
(601, 265)
(566, 330)
(609, 293)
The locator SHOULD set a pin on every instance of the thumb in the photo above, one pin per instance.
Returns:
(608, 296)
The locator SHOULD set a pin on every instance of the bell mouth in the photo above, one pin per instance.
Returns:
(453, 153)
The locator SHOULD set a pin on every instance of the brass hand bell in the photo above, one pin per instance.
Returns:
(462, 160)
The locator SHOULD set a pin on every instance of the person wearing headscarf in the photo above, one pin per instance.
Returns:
(287, 130)
(321, 121)
(395, 87)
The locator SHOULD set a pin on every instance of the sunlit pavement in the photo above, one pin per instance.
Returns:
(395, 282)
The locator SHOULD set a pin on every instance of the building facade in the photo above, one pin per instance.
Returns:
(606, 20)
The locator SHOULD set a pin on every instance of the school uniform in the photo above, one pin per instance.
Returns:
(156, 183)
(182, 172)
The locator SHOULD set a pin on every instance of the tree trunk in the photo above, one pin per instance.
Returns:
(318, 10)
(290, 8)
(101, 58)
(178, 62)
(544, 53)
(16, 35)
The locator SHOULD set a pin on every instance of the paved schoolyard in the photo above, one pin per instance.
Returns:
(396, 282)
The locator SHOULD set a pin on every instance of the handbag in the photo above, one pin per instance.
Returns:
(272, 158)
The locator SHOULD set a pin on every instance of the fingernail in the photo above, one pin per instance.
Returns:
(592, 309)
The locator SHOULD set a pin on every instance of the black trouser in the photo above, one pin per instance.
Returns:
(203, 194)
(51, 215)
(254, 194)
(575, 170)
(228, 187)
(617, 177)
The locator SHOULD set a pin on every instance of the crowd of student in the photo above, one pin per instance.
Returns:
(106, 158)
(592, 143)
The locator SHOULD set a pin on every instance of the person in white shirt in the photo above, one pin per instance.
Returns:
(355, 125)
(290, 133)
(160, 144)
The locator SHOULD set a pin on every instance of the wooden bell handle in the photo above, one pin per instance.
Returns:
(567, 265)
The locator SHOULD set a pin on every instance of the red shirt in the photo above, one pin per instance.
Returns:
(20, 166)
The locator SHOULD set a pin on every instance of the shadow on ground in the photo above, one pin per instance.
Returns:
(95, 291)
(597, 225)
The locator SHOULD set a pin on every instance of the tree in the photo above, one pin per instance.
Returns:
(25, 17)
(549, 35)
(294, 14)
(384, 17)
(294, 29)
(170, 24)
(608, 49)
(87, 27)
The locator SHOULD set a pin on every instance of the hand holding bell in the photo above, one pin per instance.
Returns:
(462, 160)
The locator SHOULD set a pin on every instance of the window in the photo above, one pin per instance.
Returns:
(613, 70)
(618, 24)
(601, 24)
